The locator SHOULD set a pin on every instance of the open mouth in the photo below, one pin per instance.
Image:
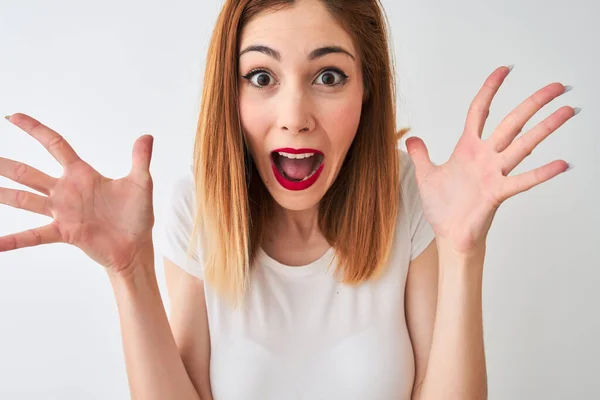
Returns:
(297, 167)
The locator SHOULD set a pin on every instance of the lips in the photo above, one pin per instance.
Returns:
(293, 184)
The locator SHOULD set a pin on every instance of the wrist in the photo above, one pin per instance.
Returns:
(140, 266)
(450, 258)
(138, 281)
(447, 247)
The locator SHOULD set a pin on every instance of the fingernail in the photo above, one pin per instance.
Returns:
(510, 67)
(7, 118)
(577, 109)
(567, 88)
(571, 166)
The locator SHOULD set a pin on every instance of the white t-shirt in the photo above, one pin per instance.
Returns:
(302, 335)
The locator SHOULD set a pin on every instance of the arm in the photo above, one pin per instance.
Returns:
(420, 303)
(460, 200)
(155, 369)
(448, 340)
(111, 221)
(189, 323)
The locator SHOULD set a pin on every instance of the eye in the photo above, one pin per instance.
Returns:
(328, 77)
(260, 78)
(262, 81)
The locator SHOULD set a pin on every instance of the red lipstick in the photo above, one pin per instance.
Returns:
(294, 185)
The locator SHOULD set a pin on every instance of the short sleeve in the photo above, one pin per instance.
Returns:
(421, 232)
(178, 219)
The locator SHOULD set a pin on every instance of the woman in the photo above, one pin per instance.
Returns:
(330, 265)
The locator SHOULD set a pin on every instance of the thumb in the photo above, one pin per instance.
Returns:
(142, 154)
(417, 150)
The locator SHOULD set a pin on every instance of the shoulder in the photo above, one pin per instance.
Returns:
(407, 167)
(180, 194)
(178, 219)
(179, 207)
(183, 183)
(409, 190)
(412, 213)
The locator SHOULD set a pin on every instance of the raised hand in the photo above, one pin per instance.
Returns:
(461, 197)
(110, 220)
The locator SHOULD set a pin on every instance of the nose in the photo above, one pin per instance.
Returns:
(294, 114)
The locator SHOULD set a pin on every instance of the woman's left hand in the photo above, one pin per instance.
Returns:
(460, 197)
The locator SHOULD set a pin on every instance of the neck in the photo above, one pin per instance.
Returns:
(295, 225)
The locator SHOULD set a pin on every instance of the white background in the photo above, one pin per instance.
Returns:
(104, 73)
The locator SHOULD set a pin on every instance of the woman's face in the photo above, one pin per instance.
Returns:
(301, 91)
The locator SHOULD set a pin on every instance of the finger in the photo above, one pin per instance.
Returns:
(142, 155)
(513, 123)
(32, 237)
(56, 145)
(524, 146)
(520, 183)
(25, 201)
(480, 106)
(26, 175)
(417, 150)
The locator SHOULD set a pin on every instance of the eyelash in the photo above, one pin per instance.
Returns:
(254, 72)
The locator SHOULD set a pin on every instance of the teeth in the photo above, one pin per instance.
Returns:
(300, 156)
(296, 156)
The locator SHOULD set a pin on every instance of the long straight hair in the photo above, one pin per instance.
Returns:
(357, 215)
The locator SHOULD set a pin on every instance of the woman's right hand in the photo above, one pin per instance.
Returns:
(110, 220)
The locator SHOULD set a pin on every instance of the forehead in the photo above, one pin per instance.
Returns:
(302, 27)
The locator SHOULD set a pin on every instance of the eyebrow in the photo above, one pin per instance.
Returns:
(320, 52)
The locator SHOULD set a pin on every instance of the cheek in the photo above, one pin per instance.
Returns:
(342, 121)
(254, 119)
(252, 114)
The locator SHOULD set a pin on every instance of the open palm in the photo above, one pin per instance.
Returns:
(110, 220)
(461, 197)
